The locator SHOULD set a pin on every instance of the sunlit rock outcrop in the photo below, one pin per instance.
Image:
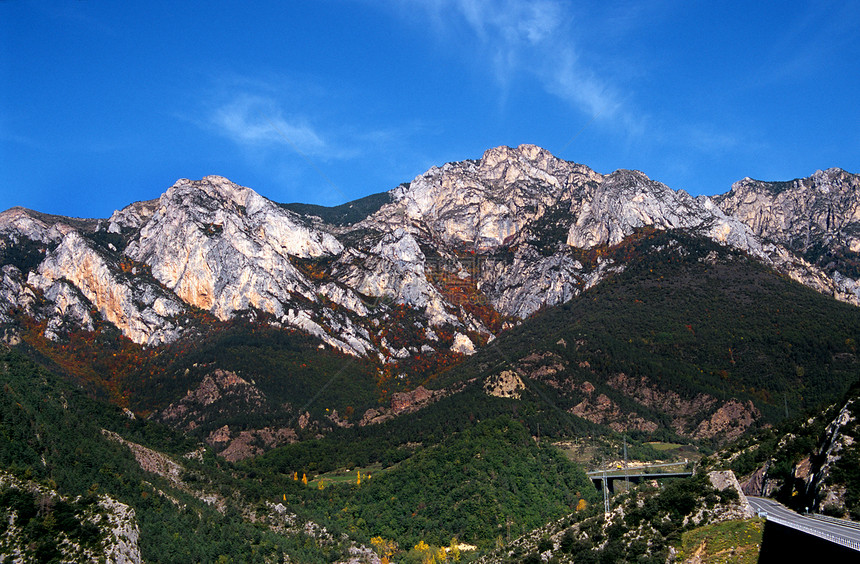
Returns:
(462, 246)
(222, 247)
(816, 218)
(483, 204)
(142, 310)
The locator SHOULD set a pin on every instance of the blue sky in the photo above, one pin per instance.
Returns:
(106, 103)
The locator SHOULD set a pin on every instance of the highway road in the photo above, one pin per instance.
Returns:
(845, 533)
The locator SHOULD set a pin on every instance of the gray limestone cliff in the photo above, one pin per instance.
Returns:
(817, 218)
(822, 209)
(505, 233)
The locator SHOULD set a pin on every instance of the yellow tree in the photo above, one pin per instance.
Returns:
(424, 551)
(582, 504)
(454, 550)
(304, 478)
(358, 478)
(384, 548)
(429, 554)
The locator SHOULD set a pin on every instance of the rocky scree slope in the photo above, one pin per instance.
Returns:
(471, 247)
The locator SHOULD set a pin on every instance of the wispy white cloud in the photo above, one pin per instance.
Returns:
(572, 81)
(250, 119)
(554, 45)
(295, 131)
(531, 40)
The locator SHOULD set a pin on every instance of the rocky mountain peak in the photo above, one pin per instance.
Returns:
(36, 226)
(819, 214)
(215, 188)
(527, 155)
(829, 177)
(628, 200)
(461, 245)
(223, 247)
(483, 204)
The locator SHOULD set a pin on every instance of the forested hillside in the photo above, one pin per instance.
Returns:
(481, 478)
(687, 326)
(52, 433)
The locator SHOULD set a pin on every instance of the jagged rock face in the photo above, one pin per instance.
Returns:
(222, 392)
(484, 204)
(823, 209)
(17, 222)
(140, 309)
(394, 269)
(522, 213)
(820, 486)
(627, 200)
(13, 292)
(133, 216)
(817, 217)
(729, 421)
(531, 281)
(223, 248)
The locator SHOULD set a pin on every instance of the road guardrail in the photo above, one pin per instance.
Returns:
(842, 541)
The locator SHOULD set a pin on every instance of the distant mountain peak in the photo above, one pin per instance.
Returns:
(506, 233)
(817, 217)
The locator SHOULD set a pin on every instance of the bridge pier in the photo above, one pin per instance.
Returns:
(603, 481)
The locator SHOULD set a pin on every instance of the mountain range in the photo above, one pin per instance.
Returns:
(422, 358)
(509, 226)
(396, 288)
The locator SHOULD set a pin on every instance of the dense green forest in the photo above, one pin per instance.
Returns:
(479, 479)
(343, 214)
(51, 432)
(693, 317)
(488, 480)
